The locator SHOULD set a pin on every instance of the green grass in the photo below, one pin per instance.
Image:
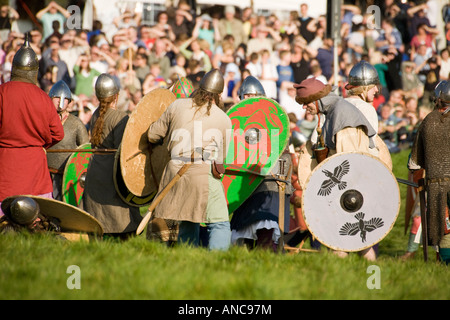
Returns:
(35, 267)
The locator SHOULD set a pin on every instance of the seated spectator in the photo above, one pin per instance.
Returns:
(316, 72)
(158, 54)
(229, 24)
(262, 40)
(300, 61)
(418, 16)
(127, 19)
(181, 20)
(235, 94)
(226, 56)
(207, 29)
(389, 37)
(412, 86)
(7, 16)
(325, 56)
(269, 75)
(36, 42)
(420, 58)
(308, 124)
(193, 67)
(393, 61)
(431, 80)
(178, 68)
(356, 40)
(425, 35)
(445, 64)
(286, 98)
(140, 66)
(100, 61)
(411, 105)
(50, 57)
(292, 26)
(162, 28)
(72, 46)
(52, 12)
(403, 129)
(196, 53)
(127, 76)
(85, 77)
(232, 77)
(253, 65)
(387, 128)
(284, 69)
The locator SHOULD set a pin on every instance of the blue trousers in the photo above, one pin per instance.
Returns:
(218, 234)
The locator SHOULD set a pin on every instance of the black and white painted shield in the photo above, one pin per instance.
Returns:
(351, 201)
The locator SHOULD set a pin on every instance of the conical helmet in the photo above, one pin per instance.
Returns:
(363, 74)
(438, 89)
(251, 85)
(106, 86)
(213, 82)
(25, 58)
(60, 90)
(24, 210)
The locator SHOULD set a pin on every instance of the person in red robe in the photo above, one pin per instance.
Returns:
(29, 124)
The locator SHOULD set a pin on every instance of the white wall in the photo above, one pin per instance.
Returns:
(315, 7)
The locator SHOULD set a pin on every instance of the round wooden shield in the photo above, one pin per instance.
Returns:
(182, 88)
(74, 174)
(124, 193)
(351, 201)
(71, 218)
(136, 164)
(260, 135)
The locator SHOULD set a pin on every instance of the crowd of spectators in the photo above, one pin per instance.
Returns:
(278, 52)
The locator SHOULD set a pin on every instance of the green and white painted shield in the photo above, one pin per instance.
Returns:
(74, 175)
(260, 135)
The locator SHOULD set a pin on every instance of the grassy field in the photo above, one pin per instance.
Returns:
(43, 267)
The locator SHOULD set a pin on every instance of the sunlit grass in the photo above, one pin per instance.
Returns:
(36, 267)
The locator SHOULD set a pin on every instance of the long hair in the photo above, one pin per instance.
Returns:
(97, 130)
(202, 97)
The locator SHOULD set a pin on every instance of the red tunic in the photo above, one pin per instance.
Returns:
(28, 123)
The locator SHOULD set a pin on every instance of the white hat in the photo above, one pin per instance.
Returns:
(357, 19)
(230, 9)
(206, 17)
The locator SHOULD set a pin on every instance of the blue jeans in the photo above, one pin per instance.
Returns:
(218, 234)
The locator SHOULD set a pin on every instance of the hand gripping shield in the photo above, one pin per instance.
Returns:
(351, 201)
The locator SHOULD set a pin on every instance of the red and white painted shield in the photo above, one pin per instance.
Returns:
(351, 201)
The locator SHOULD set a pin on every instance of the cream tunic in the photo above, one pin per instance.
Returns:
(196, 197)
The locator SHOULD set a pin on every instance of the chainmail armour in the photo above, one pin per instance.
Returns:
(75, 134)
(431, 151)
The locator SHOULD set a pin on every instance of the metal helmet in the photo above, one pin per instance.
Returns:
(251, 85)
(438, 89)
(363, 74)
(25, 63)
(60, 90)
(106, 86)
(25, 58)
(213, 82)
(24, 210)
(444, 94)
(298, 139)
